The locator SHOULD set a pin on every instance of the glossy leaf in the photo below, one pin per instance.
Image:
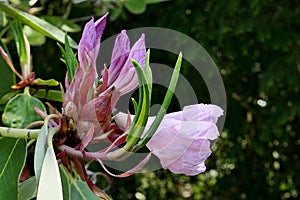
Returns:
(135, 6)
(40, 151)
(27, 189)
(38, 24)
(50, 186)
(19, 112)
(13, 153)
(80, 190)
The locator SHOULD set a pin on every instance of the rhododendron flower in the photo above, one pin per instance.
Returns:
(89, 104)
(182, 141)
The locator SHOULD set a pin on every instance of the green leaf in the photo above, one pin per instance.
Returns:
(135, 6)
(2, 19)
(27, 189)
(65, 182)
(70, 60)
(63, 24)
(116, 12)
(49, 82)
(35, 38)
(52, 95)
(13, 153)
(8, 96)
(163, 109)
(155, 1)
(19, 111)
(80, 190)
(37, 24)
(50, 186)
(23, 49)
(40, 151)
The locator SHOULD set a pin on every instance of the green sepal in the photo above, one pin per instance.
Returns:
(135, 105)
(165, 104)
(141, 116)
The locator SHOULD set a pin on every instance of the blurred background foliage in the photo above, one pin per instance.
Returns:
(256, 45)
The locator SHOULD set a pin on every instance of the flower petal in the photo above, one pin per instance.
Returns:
(89, 44)
(127, 79)
(119, 56)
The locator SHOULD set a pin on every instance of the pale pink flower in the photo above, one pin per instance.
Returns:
(182, 141)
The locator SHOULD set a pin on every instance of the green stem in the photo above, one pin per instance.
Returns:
(19, 133)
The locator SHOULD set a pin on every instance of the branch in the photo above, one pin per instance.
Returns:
(19, 133)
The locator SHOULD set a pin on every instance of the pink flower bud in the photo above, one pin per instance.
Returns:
(121, 73)
(86, 73)
(182, 141)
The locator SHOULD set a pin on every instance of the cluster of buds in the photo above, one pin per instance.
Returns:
(180, 140)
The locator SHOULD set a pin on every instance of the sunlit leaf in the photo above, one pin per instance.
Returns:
(50, 186)
(40, 151)
(13, 153)
(38, 24)
(19, 112)
(27, 189)
(80, 190)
